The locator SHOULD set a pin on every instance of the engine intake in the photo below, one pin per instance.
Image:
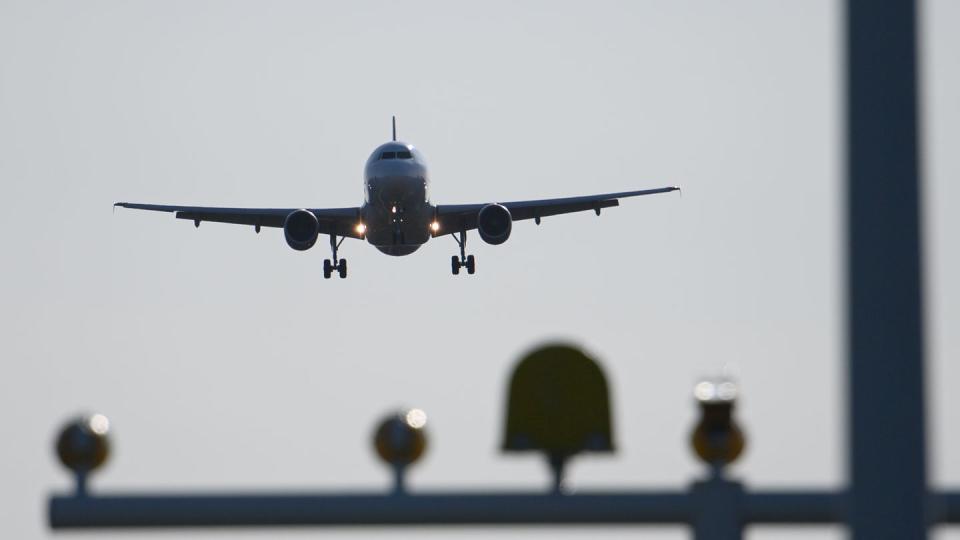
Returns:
(301, 229)
(494, 224)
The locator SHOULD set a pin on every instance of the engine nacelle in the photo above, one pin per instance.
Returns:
(301, 229)
(494, 224)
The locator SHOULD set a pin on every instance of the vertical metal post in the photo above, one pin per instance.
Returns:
(81, 482)
(719, 510)
(399, 478)
(557, 464)
(885, 318)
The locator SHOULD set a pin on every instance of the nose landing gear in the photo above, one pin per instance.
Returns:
(340, 265)
(464, 260)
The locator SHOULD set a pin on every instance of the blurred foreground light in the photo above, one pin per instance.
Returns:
(98, 424)
(361, 229)
(715, 391)
(435, 226)
(83, 445)
(717, 439)
(558, 404)
(727, 391)
(705, 391)
(416, 418)
(400, 439)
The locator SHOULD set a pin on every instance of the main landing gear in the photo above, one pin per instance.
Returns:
(456, 263)
(339, 265)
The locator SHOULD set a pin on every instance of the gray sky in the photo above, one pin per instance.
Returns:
(224, 359)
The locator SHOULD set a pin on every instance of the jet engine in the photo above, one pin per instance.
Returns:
(494, 224)
(301, 229)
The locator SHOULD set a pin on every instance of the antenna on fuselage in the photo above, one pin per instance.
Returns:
(394, 129)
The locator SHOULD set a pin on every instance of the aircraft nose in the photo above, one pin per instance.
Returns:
(390, 190)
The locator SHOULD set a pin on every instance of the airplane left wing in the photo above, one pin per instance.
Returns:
(463, 217)
(339, 221)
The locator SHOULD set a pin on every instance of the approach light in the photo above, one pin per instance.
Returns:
(558, 403)
(717, 438)
(83, 446)
(361, 229)
(98, 424)
(416, 418)
(400, 439)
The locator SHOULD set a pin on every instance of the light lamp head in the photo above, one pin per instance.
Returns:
(717, 439)
(400, 439)
(83, 444)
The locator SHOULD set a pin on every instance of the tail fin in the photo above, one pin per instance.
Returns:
(394, 129)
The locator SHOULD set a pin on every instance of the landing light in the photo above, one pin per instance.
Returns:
(435, 226)
(361, 228)
(98, 424)
(416, 418)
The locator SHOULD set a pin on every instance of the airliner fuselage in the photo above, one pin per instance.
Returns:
(396, 212)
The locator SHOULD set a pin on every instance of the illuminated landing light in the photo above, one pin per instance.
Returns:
(727, 391)
(416, 418)
(435, 226)
(361, 229)
(710, 391)
(705, 391)
(98, 424)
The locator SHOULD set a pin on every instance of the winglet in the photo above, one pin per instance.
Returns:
(394, 128)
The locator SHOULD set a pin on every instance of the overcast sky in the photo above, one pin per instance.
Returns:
(223, 358)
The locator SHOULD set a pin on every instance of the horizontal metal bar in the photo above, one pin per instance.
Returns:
(794, 507)
(830, 507)
(503, 508)
(436, 509)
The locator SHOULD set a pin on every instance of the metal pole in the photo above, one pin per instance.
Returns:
(258, 509)
(719, 510)
(714, 509)
(886, 407)
(399, 478)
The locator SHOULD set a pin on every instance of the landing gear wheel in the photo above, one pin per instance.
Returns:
(342, 268)
(471, 264)
(455, 265)
(327, 269)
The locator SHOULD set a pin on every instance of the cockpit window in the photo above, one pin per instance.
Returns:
(402, 154)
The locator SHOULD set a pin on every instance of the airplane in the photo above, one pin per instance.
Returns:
(397, 216)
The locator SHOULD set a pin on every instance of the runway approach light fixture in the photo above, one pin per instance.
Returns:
(558, 404)
(83, 446)
(400, 440)
(717, 439)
